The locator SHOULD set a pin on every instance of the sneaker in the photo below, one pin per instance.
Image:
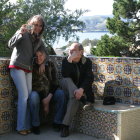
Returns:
(36, 130)
(65, 131)
(88, 106)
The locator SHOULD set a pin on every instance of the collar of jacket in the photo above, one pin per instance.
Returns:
(36, 41)
(83, 59)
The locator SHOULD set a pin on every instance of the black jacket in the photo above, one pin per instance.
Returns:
(81, 74)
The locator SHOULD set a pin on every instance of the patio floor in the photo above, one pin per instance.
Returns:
(46, 134)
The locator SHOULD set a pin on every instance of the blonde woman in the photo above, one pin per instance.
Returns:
(24, 43)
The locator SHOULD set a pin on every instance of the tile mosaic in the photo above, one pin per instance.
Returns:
(7, 104)
(118, 69)
(136, 93)
(128, 61)
(115, 76)
(95, 68)
(7, 126)
(110, 77)
(136, 70)
(136, 61)
(136, 81)
(119, 60)
(127, 81)
(118, 91)
(110, 68)
(128, 69)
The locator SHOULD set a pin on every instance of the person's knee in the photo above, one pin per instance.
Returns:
(65, 82)
(34, 98)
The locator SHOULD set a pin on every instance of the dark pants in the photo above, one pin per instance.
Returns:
(72, 104)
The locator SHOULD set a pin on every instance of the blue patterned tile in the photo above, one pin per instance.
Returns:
(127, 69)
(136, 81)
(118, 69)
(136, 70)
(102, 68)
(110, 68)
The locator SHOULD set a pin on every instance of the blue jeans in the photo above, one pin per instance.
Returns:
(23, 83)
(58, 98)
(60, 106)
(34, 101)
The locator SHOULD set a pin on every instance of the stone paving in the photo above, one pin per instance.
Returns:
(46, 134)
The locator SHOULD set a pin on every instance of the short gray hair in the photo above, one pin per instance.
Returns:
(81, 46)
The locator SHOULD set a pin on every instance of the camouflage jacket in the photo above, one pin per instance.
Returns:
(47, 82)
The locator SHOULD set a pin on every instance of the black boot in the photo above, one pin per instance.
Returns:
(56, 127)
(65, 131)
(36, 130)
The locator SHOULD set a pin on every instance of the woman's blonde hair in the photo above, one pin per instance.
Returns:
(39, 18)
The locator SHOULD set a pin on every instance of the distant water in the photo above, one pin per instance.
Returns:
(82, 37)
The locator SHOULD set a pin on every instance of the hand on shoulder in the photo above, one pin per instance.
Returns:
(23, 29)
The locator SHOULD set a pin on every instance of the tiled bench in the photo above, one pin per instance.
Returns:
(111, 122)
(7, 98)
(119, 122)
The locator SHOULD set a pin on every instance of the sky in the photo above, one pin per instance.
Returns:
(96, 7)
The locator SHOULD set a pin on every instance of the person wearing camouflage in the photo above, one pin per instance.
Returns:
(45, 87)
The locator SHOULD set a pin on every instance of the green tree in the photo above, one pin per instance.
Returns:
(110, 46)
(126, 23)
(59, 21)
(88, 42)
(94, 42)
(5, 26)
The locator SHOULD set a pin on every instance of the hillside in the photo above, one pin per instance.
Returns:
(95, 23)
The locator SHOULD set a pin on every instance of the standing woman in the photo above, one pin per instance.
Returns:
(24, 43)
